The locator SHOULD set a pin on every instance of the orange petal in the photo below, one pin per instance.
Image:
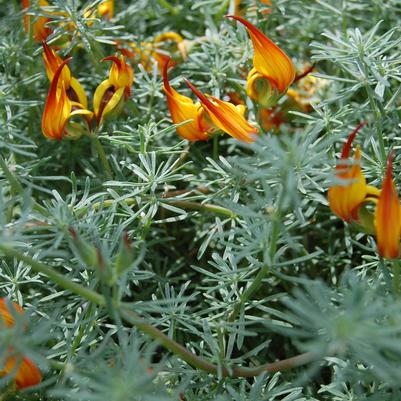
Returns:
(388, 217)
(57, 108)
(268, 58)
(182, 108)
(27, 374)
(345, 199)
(226, 117)
(347, 147)
(5, 314)
(25, 6)
(121, 74)
(52, 62)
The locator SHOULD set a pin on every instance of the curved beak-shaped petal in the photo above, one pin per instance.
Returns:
(182, 108)
(101, 97)
(268, 58)
(346, 197)
(52, 62)
(388, 217)
(227, 117)
(59, 108)
(121, 74)
(75, 91)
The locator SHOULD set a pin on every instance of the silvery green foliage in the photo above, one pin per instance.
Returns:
(191, 267)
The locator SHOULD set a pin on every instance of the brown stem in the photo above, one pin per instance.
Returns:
(305, 73)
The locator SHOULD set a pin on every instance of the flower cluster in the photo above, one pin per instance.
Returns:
(348, 199)
(67, 98)
(21, 368)
(272, 73)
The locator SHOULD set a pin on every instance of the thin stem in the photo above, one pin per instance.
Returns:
(208, 207)
(103, 158)
(205, 207)
(54, 276)
(305, 73)
(215, 147)
(133, 318)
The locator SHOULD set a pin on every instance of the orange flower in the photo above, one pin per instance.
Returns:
(346, 198)
(106, 9)
(226, 116)
(74, 89)
(388, 217)
(182, 108)
(40, 30)
(59, 109)
(114, 91)
(26, 372)
(269, 60)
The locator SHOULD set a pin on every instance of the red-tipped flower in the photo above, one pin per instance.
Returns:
(346, 197)
(111, 94)
(388, 217)
(226, 116)
(74, 89)
(269, 60)
(183, 108)
(59, 109)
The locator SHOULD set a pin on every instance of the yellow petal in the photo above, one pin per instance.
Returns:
(227, 117)
(121, 74)
(79, 92)
(99, 95)
(182, 108)
(106, 9)
(52, 62)
(260, 89)
(58, 108)
(268, 58)
(113, 102)
(345, 198)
